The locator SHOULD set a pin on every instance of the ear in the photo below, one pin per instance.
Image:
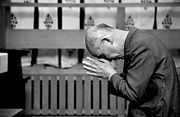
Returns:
(105, 40)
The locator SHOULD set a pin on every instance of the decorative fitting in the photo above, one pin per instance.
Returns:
(146, 1)
(167, 22)
(90, 22)
(70, 1)
(108, 1)
(27, 1)
(13, 21)
(48, 21)
(70, 52)
(129, 22)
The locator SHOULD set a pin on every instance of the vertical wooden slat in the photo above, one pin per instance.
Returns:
(121, 101)
(36, 95)
(121, 107)
(79, 95)
(53, 95)
(96, 96)
(113, 110)
(87, 95)
(120, 18)
(28, 92)
(126, 106)
(4, 23)
(2, 26)
(104, 97)
(62, 97)
(70, 95)
(45, 94)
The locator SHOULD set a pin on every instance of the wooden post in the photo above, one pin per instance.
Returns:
(4, 12)
(120, 18)
(59, 28)
(79, 94)
(81, 22)
(87, 95)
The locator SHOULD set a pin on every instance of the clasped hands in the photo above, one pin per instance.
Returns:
(98, 67)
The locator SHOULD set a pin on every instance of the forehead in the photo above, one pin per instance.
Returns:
(94, 49)
(93, 42)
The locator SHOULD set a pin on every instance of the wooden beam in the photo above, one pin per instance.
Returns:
(120, 18)
(169, 37)
(4, 22)
(164, 4)
(50, 39)
(53, 39)
(2, 26)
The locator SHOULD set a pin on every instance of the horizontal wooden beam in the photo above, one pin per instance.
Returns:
(49, 39)
(53, 39)
(164, 4)
(169, 37)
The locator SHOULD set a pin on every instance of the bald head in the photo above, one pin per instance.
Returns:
(94, 36)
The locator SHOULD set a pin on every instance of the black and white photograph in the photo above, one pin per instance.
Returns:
(89, 58)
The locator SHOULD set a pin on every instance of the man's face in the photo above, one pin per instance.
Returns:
(102, 47)
(106, 51)
(109, 53)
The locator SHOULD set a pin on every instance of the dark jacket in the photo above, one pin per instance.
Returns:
(149, 79)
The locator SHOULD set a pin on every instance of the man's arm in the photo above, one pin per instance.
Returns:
(139, 72)
(137, 76)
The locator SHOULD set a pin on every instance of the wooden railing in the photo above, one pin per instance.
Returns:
(19, 39)
(71, 94)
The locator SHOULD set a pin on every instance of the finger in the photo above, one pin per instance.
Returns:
(90, 64)
(89, 68)
(92, 60)
(86, 63)
(95, 75)
(92, 74)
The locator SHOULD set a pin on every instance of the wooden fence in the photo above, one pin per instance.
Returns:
(71, 94)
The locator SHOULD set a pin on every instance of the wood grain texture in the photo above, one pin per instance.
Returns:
(79, 94)
(53, 39)
(36, 95)
(54, 95)
(164, 4)
(45, 95)
(62, 94)
(70, 92)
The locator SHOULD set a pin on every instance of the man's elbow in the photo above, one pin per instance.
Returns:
(133, 98)
(130, 94)
(136, 96)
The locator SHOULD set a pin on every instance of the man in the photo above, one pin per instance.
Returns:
(149, 79)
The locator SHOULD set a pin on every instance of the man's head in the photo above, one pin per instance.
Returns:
(101, 42)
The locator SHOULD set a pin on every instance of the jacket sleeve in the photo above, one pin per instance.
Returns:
(137, 76)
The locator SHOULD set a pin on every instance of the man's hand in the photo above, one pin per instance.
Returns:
(99, 67)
